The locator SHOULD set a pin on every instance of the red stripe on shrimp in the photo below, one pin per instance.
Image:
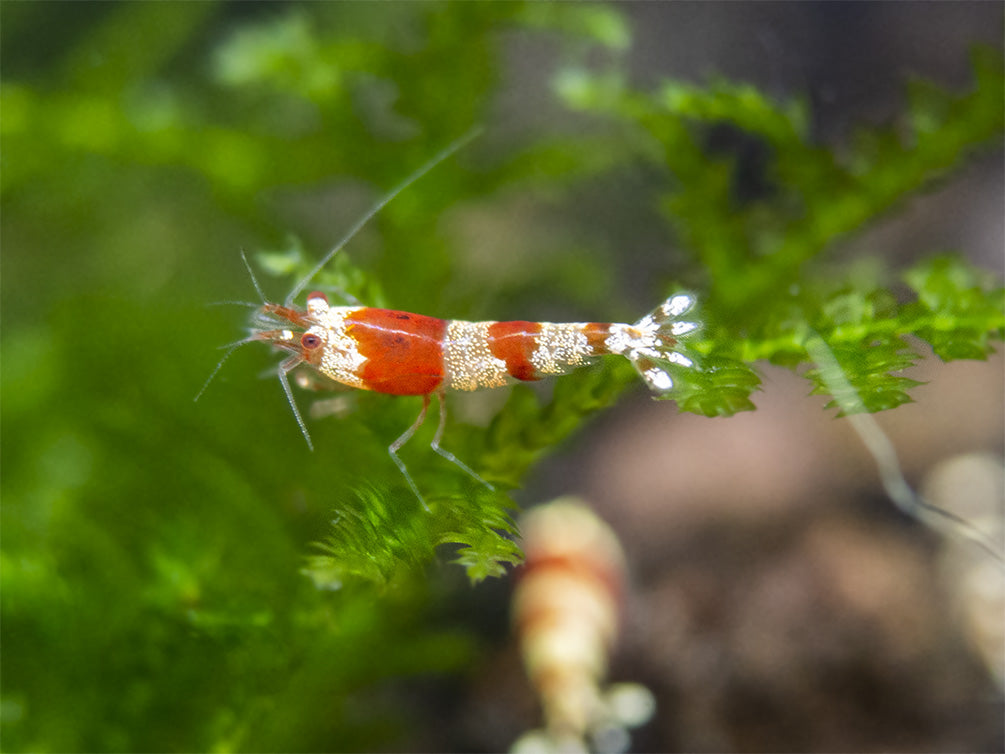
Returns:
(403, 351)
(515, 343)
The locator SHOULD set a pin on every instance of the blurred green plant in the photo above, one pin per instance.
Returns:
(152, 551)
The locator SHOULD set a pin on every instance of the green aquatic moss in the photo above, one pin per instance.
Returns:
(154, 551)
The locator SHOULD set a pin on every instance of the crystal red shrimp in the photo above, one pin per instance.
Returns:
(401, 353)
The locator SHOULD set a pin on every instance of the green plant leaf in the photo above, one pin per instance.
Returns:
(959, 308)
(716, 386)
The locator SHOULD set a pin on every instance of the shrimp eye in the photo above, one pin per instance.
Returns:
(310, 341)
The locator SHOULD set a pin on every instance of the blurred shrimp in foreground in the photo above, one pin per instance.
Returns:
(566, 610)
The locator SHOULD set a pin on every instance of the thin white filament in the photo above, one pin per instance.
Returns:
(435, 445)
(254, 280)
(248, 304)
(231, 347)
(293, 404)
(884, 454)
(436, 160)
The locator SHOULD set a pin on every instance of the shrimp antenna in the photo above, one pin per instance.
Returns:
(254, 280)
(436, 160)
(236, 344)
(246, 304)
(230, 349)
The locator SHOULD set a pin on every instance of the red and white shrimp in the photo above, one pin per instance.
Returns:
(568, 606)
(400, 353)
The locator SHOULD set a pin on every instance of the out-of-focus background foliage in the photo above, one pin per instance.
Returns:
(152, 548)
